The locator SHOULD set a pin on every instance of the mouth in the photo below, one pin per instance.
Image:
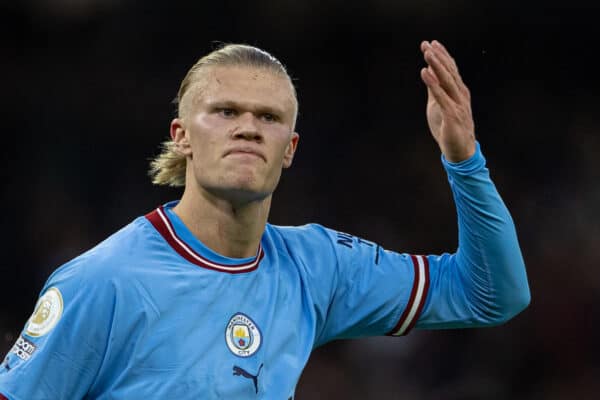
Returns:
(245, 152)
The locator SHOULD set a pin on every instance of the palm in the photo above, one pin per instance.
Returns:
(435, 118)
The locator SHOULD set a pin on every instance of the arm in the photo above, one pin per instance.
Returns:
(485, 281)
(360, 289)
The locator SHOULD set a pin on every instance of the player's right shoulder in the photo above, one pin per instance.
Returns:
(108, 259)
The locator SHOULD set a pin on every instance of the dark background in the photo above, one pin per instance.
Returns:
(86, 91)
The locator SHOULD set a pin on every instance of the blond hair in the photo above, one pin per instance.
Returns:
(168, 168)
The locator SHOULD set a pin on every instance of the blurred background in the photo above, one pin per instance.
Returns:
(86, 99)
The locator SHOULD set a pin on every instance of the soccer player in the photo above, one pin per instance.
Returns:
(203, 299)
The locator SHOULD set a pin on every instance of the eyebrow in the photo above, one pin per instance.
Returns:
(261, 109)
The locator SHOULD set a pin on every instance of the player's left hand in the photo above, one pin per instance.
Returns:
(449, 112)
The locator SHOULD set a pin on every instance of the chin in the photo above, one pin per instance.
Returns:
(240, 186)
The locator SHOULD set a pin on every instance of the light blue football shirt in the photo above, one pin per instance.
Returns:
(152, 313)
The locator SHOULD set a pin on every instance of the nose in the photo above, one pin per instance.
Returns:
(247, 128)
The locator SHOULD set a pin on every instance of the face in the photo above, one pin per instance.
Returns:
(236, 130)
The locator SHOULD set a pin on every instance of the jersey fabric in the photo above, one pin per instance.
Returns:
(153, 313)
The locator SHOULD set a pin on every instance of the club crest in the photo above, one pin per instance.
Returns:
(242, 335)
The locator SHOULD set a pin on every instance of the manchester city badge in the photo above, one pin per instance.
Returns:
(242, 335)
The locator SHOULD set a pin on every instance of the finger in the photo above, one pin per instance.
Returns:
(445, 78)
(447, 61)
(435, 90)
(450, 62)
(445, 55)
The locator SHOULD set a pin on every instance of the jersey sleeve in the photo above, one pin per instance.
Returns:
(484, 283)
(381, 292)
(61, 347)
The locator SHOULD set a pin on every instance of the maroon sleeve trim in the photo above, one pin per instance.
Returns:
(417, 298)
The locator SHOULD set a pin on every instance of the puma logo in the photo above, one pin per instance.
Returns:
(237, 371)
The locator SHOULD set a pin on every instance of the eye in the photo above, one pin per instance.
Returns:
(268, 117)
(227, 112)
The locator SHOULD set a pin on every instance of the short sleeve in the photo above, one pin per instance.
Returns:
(61, 347)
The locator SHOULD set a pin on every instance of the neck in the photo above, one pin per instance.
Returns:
(230, 230)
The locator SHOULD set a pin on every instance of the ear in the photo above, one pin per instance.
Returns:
(290, 150)
(180, 137)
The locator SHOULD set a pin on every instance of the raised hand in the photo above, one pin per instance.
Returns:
(449, 112)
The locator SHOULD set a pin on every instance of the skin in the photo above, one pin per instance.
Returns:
(449, 112)
(237, 133)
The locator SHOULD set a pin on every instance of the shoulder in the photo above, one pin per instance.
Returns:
(317, 236)
(107, 259)
(311, 236)
(312, 242)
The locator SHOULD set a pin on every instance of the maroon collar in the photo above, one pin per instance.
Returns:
(159, 219)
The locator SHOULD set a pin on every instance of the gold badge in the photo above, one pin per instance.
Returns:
(48, 311)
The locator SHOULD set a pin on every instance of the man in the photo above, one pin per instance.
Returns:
(202, 298)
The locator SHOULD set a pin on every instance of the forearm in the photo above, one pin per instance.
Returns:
(488, 259)
(484, 282)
